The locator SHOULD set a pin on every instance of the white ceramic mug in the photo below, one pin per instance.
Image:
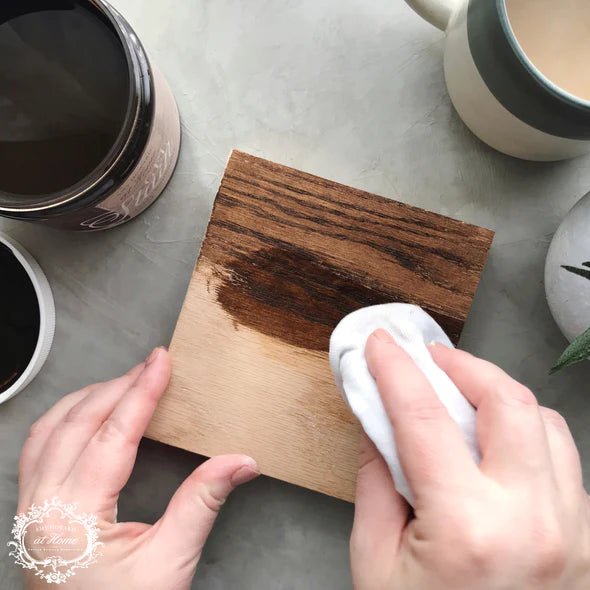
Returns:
(501, 95)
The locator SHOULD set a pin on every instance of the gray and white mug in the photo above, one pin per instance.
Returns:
(516, 72)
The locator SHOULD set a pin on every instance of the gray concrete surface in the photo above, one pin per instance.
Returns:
(351, 90)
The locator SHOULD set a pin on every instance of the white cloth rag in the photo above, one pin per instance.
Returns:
(412, 328)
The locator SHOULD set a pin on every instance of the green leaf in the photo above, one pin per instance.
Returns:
(577, 271)
(577, 351)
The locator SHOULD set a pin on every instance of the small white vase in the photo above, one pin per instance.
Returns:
(567, 271)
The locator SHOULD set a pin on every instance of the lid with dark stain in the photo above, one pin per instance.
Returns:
(19, 319)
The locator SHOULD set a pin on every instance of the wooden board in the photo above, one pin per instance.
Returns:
(285, 257)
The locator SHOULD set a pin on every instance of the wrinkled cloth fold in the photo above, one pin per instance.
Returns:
(413, 329)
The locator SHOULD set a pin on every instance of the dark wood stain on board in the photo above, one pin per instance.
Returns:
(294, 253)
(294, 296)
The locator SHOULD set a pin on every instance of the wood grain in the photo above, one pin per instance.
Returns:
(285, 257)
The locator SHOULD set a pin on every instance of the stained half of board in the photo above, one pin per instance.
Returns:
(285, 257)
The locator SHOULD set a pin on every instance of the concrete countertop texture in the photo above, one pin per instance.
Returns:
(352, 91)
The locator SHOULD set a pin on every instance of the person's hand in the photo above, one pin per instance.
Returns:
(83, 450)
(518, 521)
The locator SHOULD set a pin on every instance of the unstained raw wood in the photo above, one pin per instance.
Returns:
(286, 255)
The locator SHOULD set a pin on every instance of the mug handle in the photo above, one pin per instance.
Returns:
(436, 12)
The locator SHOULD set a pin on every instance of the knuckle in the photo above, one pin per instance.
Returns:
(367, 462)
(480, 548)
(38, 428)
(425, 412)
(382, 365)
(83, 416)
(479, 544)
(85, 391)
(514, 394)
(73, 399)
(207, 498)
(554, 418)
(77, 402)
(51, 419)
(380, 371)
(364, 480)
(75, 414)
(551, 557)
(111, 432)
(368, 456)
(523, 395)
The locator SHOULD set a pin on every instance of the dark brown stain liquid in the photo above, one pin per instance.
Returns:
(64, 94)
(295, 297)
(19, 319)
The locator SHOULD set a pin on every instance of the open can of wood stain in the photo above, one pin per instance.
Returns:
(27, 319)
(89, 129)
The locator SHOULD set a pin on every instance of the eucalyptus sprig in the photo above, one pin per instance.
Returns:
(579, 349)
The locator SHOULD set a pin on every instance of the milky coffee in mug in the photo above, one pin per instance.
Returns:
(89, 129)
(517, 72)
(555, 36)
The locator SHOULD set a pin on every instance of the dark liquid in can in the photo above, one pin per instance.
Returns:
(19, 319)
(64, 95)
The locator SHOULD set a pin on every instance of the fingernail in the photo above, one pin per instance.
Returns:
(152, 357)
(435, 343)
(382, 335)
(245, 474)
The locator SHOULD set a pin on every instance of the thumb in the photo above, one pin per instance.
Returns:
(380, 517)
(183, 529)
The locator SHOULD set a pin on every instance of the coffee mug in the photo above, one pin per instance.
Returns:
(517, 73)
(89, 129)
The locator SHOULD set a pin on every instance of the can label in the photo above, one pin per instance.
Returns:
(149, 178)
